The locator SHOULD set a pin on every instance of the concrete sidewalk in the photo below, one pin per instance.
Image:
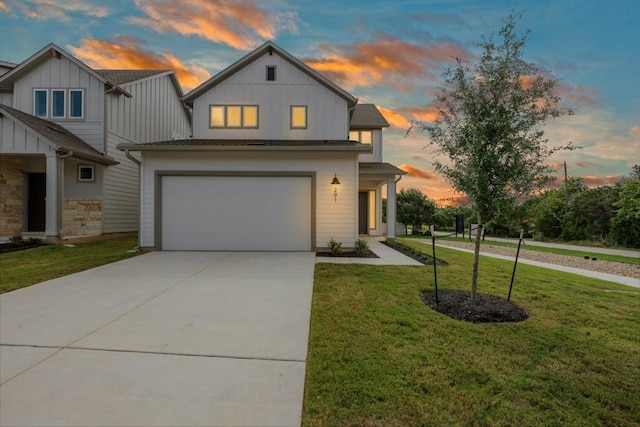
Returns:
(588, 249)
(629, 281)
(162, 339)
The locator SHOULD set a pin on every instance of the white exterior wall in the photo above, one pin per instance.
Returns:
(15, 138)
(376, 145)
(153, 113)
(334, 219)
(63, 74)
(327, 113)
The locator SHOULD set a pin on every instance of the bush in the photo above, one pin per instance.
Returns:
(362, 247)
(335, 247)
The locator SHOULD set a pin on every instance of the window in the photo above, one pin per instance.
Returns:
(76, 103)
(363, 136)
(40, 103)
(233, 116)
(298, 116)
(57, 103)
(271, 73)
(85, 173)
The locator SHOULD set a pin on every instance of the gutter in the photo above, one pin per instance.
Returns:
(127, 147)
(130, 157)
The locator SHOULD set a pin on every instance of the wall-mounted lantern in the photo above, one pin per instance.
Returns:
(335, 184)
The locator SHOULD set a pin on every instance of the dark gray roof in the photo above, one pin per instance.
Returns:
(59, 136)
(119, 77)
(367, 168)
(367, 116)
(246, 144)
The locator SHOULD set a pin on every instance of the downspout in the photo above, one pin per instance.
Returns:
(59, 203)
(133, 159)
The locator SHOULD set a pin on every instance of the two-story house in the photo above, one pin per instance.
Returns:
(281, 159)
(60, 122)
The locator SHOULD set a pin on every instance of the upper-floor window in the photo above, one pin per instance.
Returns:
(363, 136)
(233, 116)
(298, 117)
(40, 103)
(76, 103)
(57, 103)
(59, 108)
(271, 73)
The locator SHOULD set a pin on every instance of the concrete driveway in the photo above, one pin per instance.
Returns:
(162, 339)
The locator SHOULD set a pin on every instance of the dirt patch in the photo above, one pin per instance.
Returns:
(347, 254)
(487, 309)
(418, 256)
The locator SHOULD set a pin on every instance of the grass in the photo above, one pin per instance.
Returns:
(25, 268)
(379, 357)
(580, 254)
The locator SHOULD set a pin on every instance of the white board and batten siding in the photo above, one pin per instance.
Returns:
(61, 73)
(327, 112)
(16, 138)
(333, 219)
(153, 113)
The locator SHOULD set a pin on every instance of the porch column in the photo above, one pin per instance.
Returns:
(51, 203)
(391, 208)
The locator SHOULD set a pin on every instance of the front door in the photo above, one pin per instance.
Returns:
(363, 212)
(36, 194)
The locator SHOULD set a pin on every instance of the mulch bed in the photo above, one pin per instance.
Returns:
(8, 247)
(348, 254)
(420, 257)
(488, 308)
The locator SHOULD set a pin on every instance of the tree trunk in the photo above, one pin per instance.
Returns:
(476, 259)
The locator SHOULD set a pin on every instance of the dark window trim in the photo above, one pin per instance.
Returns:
(93, 173)
(224, 116)
(271, 68)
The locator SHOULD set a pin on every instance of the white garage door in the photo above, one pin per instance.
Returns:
(236, 213)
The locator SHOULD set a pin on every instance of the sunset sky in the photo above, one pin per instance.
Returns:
(390, 53)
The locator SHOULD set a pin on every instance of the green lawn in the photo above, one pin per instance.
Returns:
(24, 268)
(580, 254)
(379, 357)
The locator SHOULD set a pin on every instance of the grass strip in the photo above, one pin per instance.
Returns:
(30, 266)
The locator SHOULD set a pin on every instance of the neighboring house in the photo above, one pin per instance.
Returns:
(281, 159)
(60, 122)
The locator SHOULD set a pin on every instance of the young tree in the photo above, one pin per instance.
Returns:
(489, 127)
(414, 208)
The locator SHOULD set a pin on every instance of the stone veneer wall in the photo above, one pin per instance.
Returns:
(82, 217)
(11, 196)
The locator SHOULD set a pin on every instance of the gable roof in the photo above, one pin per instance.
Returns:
(367, 116)
(7, 80)
(269, 48)
(63, 139)
(127, 76)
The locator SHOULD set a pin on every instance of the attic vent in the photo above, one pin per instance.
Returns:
(271, 73)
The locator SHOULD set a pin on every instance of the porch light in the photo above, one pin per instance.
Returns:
(335, 184)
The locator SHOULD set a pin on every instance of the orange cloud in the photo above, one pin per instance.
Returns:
(58, 9)
(125, 53)
(592, 181)
(380, 61)
(4, 7)
(429, 114)
(237, 23)
(394, 119)
(635, 131)
(418, 173)
(584, 164)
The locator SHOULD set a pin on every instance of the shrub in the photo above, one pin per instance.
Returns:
(362, 247)
(335, 247)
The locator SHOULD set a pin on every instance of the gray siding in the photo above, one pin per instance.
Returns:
(153, 113)
(121, 198)
(63, 74)
(327, 113)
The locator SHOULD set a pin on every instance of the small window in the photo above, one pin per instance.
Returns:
(57, 103)
(271, 73)
(40, 103)
(298, 116)
(217, 116)
(76, 103)
(86, 173)
(362, 136)
(234, 116)
(250, 116)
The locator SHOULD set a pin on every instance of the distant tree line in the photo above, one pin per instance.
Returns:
(608, 214)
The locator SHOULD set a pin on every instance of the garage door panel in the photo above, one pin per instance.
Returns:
(236, 213)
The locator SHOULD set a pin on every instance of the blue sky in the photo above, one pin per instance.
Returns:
(390, 53)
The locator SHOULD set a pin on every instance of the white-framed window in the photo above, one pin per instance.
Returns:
(233, 116)
(40, 102)
(76, 103)
(58, 103)
(298, 117)
(362, 136)
(86, 173)
(271, 73)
